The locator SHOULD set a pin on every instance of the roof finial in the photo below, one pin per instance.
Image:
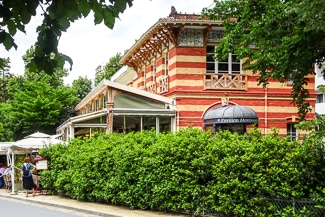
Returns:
(173, 11)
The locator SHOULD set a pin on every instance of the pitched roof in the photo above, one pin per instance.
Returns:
(106, 83)
(164, 29)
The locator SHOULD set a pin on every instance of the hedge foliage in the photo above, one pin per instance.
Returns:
(190, 170)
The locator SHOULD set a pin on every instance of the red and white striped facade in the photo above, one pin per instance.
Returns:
(170, 59)
(172, 82)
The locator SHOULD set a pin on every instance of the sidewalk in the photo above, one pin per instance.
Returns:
(86, 207)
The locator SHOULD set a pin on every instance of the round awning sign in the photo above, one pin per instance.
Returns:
(231, 115)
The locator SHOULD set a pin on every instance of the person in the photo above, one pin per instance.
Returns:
(28, 183)
(7, 171)
(2, 181)
(3, 167)
(36, 154)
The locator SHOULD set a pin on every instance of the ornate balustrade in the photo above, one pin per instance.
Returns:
(163, 84)
(152, 87)
(213, 81)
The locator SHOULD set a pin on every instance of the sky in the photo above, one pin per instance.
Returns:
(91, 45)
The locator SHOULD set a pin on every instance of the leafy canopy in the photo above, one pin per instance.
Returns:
(34, 101)
(109, 69)
(289, 37)
(82, 86)
(57, 17)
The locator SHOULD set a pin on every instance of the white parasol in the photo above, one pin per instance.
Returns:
(34, 141)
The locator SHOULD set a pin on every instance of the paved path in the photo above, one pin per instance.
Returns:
(87, 207)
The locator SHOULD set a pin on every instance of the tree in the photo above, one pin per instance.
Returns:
(57, 17)
(37, 106)
(54, 80)
(81, 86)
(5, 75)
(36, 102)
(287, 35)
(5, 134)
(110, 68)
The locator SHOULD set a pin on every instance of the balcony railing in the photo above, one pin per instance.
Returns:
(152, 87)
(163, 84)
(213, 81)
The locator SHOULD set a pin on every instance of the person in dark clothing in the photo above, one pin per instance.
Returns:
(2, 181)
(26, 173)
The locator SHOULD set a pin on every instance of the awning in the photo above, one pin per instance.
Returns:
(230, 115)
(31, 142)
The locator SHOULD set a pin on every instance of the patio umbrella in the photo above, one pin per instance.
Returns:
(34, 141)
(38, 135)
(29, 144)
(4, 147)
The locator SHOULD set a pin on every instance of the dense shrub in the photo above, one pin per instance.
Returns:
(190, 170)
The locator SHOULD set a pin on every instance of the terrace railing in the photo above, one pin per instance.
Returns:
(163, 84)
(221, 81)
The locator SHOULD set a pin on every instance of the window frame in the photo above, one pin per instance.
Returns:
(217, 63)
(320, 98)
(154, 70)
(166, 63)
(292, 131)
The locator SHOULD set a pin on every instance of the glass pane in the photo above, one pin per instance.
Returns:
(149, 123)
(223, 67)
(125, 124)
(223, 61)
(210, 58)
(164, 124)
(238, 128)
(210, 49)
(234, 58)
(210, 67)
(288, 128)
(319, 98)
(235, 67)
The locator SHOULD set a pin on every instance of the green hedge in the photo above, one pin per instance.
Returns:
(190, 170)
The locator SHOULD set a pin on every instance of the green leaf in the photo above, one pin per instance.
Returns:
(68, 59)
(64, 23)
(25, 15)
(2, 36)
(98, 17)
(84, 7)
(109, 21)
(120, 6)
(11, 27)
(9, 42)
(32, 6)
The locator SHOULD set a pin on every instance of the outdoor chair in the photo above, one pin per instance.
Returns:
(7, 180)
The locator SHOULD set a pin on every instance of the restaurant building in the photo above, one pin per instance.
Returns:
(171, 80)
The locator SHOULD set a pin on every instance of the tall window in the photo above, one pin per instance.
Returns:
(231, 65)
(166, 63)
(144, 77)
(320, 98)
(154, 70)
(292, 131)
(104, 100)
(96, 104)
(164, 124)
(148, 123)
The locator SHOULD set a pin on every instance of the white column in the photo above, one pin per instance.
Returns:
(157, 125)
(12, 171)
(71, 129)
